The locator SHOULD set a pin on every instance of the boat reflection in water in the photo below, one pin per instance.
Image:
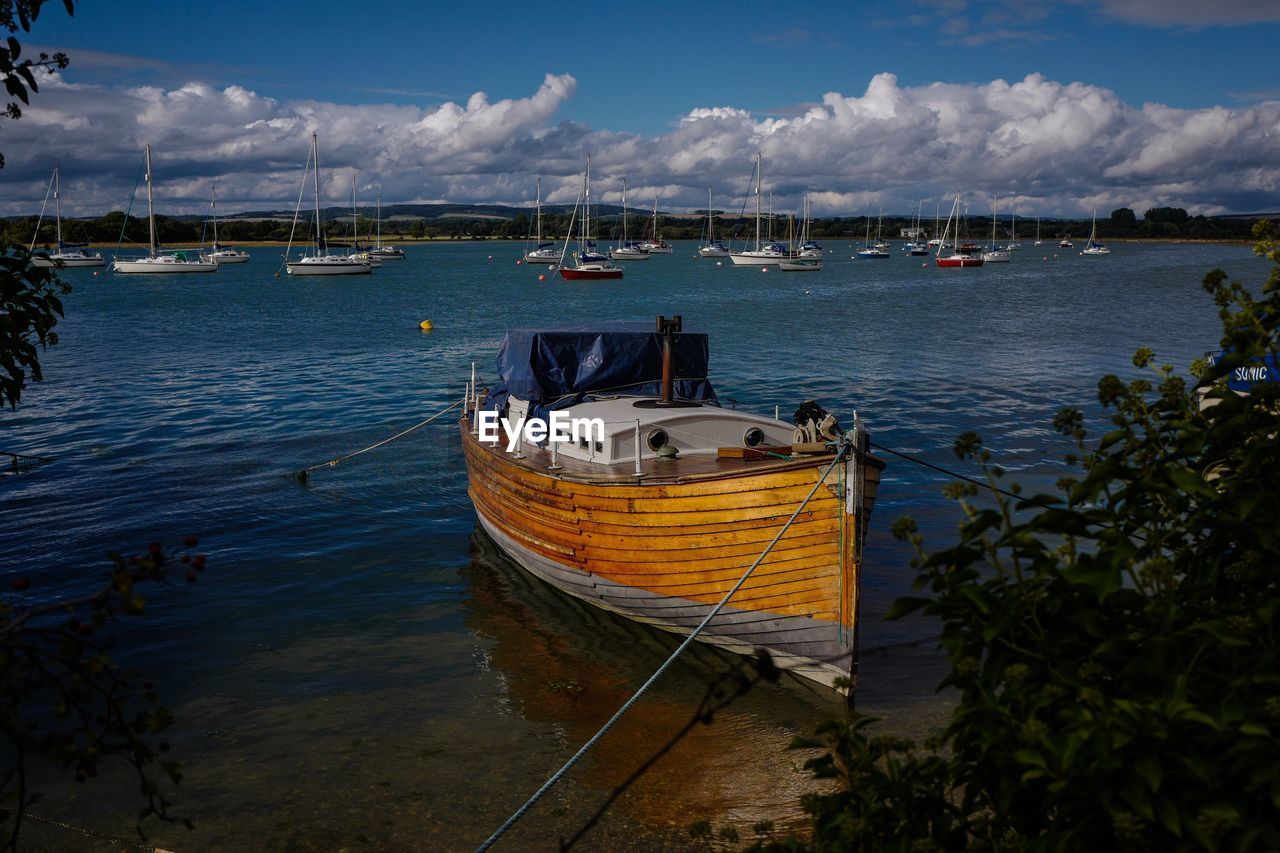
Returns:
(565, 662)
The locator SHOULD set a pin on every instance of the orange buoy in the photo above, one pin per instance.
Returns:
(542, 277)
(426, 325)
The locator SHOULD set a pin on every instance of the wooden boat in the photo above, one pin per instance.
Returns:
(658, 515)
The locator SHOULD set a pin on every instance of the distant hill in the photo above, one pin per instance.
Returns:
(402, 212)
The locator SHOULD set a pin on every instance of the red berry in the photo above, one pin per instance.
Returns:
(191, 577)
(198, 560)
(190, 541)
(21, 583)
(154, 548)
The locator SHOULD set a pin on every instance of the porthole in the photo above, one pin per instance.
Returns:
(753, 437)
(657, 438)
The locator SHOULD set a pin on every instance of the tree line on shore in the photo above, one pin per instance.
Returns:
(1161, 223)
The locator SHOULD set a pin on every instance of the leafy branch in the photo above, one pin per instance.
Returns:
(63, 698)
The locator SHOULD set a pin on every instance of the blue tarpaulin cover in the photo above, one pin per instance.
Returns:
(555, 368)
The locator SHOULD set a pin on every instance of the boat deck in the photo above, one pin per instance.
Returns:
(686, 468)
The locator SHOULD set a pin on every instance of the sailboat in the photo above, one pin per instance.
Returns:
(626, 251)
(769, 254)
(379, 251)
(712, 248)
(914, 246)
(794, 262)
(358, 252)
(1038, 240)
(808, 248)
(154, 262)
(216, 253)
(936, 241)
(66, 256)
(1093, 247)
(873, 251)
(588, 263)
(965, 254)
(1013, 233)
(996, 255)
(656, 245)
(320, 262)
(542, 253)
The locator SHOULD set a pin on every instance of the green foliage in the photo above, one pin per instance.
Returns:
(64, 699)
(30, 306)
(1115, 645)
(19, 74)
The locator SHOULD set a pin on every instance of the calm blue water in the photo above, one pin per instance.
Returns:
(355, 666)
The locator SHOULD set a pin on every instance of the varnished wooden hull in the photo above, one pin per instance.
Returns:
(665, 548)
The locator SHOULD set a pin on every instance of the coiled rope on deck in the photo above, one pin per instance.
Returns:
(845, 445)
(302, 475)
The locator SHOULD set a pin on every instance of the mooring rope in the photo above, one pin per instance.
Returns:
(979, 483)
(93, 833)
(302, 475)
(845, 445)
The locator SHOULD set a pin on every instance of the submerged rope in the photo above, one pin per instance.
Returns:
(715, 611)
(302, 475)
(908, 457)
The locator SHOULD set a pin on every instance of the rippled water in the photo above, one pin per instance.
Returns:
(358, 667)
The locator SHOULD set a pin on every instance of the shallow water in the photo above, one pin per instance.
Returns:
(357, 665)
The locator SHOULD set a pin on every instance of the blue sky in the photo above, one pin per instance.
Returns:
(638, 71)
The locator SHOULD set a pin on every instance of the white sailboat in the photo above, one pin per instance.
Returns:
(216, 253)
(712, 248)
(155, 263)
(320, 262)
(655, 245)
(795, 262)
(936, 241)
(543, 252)
(1013, 233)
(358, 252)
(66, 256)
(624, 250)
(1093, 247)
(761, 254)
(379, 251)
(808, 248)
(1038, 240)
(914, 246)
(996, 255)
(873, 251)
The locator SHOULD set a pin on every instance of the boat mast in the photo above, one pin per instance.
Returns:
(537, 209)
(213, 213)
(57, 205)
(624, 213)
(710, 227)
(586, 208)
(758, 201)
(315, 159)
(151, 214)
(379, 221)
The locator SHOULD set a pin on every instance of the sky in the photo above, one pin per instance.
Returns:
(1043, 108)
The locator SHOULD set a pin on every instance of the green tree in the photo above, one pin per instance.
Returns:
(19, 74)
(1115, 644)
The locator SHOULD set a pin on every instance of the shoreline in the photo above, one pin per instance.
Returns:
(411, 241)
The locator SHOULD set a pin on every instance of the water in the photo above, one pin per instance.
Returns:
(357, 667)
